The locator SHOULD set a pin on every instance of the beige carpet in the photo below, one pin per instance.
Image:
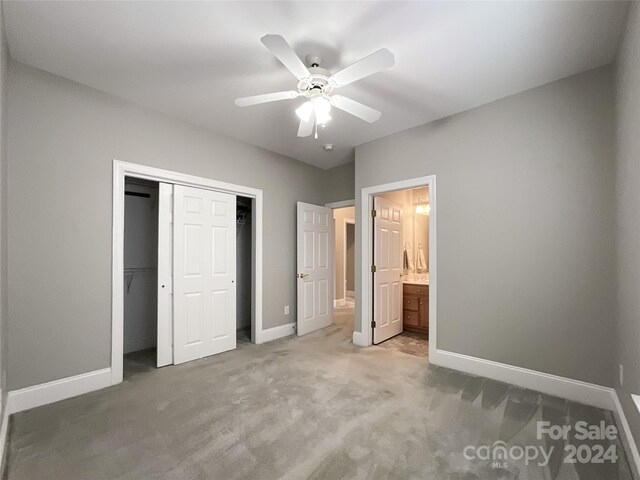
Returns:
(313, 407)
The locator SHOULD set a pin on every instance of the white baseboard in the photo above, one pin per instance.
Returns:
(4, 433)
(358, 339)
(339, 302)
(627, 436)
(575, 390)
(50, 392)
(278, 332)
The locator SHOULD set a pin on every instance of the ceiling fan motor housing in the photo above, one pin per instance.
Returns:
(317, 83)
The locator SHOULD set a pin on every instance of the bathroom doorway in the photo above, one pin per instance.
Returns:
(401, 270)
(398, 266)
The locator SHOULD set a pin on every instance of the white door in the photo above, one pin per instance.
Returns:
(165, 275)
(316, 276)
(387, 280)
(204, 273)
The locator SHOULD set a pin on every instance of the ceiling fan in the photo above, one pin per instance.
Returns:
(317, 85)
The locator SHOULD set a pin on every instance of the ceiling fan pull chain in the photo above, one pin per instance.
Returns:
(316, 136)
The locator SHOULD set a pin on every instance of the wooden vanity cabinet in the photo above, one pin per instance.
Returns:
(415, 303)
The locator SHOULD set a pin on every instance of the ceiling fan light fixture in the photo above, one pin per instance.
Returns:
(317, 84)
(322, 118)
(321, 107)
(304, 111)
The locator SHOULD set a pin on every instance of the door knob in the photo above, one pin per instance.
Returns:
(303, 275)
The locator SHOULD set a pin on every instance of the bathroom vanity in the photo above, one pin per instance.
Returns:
(415, 303)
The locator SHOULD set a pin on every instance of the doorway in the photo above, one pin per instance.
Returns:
(244, 239)
(140, 274)
(201, 208)
(384, 272)
(344, 239)
(401, 270)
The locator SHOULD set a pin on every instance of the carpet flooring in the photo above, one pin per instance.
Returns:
(312, 407)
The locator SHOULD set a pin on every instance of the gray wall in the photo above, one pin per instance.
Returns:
(340, 182)
(628, 216)
(526, 210)
(63, 138)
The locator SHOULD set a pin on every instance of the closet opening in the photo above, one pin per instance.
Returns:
(140, 275)
(196, 243)
(149, 283)
(244, 259)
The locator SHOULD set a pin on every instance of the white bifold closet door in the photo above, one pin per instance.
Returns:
(316, 277)
(387, 279)
(204, 289)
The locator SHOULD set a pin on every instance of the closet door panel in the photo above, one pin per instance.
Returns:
(204, 273)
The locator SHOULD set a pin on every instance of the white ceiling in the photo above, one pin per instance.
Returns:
(191, 60)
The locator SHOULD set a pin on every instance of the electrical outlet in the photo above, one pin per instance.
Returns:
(621, 374)
(286, 309)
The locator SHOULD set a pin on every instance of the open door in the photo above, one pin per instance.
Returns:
(165, 275)
(387, 280)
(204, 242)
(315, 239)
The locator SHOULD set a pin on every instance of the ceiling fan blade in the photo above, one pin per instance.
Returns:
(306, 126)
(266, 97)
(283, 52)
(356, 109)
(374, 63)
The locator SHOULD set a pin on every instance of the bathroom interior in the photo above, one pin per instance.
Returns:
(415, 273)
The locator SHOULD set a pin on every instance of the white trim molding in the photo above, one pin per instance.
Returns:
(341, 204)
(575, 390)
(280, 331)
(4, 433)
(50, 392)
(358, 340)
(124, 169)
(366, 253)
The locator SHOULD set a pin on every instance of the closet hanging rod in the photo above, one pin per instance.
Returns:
(138, 194)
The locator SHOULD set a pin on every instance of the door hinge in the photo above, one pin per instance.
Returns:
(373, 324)
(373, 269)
(373, 213)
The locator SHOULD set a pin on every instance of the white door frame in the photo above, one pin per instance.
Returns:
(124, 169)
(363, 338)
(347, 221)
(341, 204)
